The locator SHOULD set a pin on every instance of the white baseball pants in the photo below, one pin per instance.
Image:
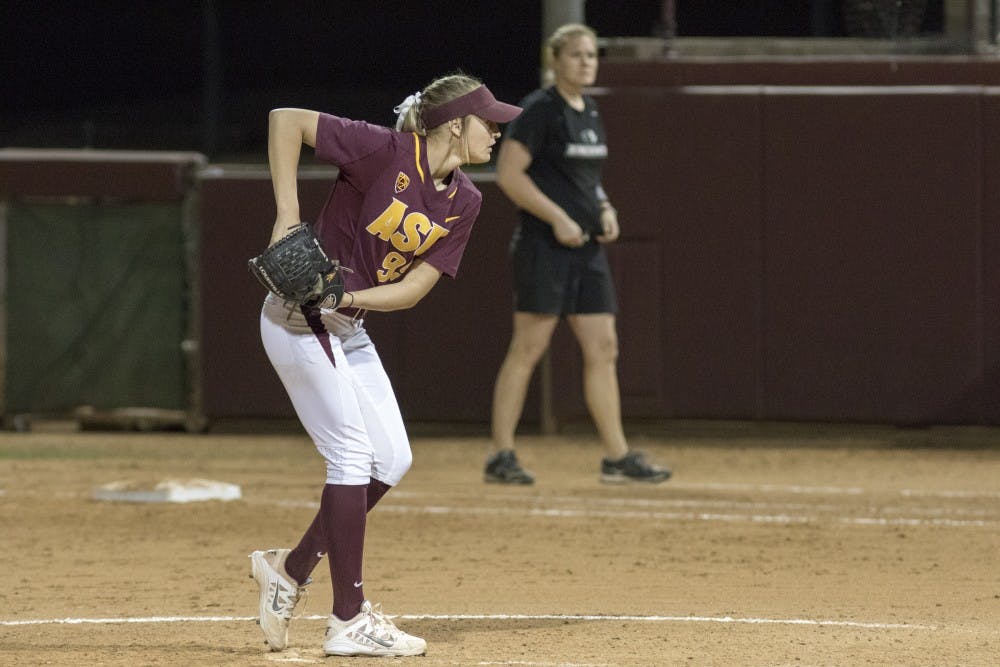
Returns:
(340, 391)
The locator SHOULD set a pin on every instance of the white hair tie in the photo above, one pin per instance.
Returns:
(404, 107)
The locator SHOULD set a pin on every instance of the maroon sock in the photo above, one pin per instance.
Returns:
(344, 510)
(376, 490)
(304, 558)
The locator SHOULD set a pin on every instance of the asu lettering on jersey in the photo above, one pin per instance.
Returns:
(406, 232)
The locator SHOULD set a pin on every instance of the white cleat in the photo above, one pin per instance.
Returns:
(278, 595)
(370, 633)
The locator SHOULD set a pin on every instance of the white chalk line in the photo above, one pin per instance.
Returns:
(510, 663)
(285, 657)
(524, 663)
(917, 493)
(827, 490)
(683, 502)
(548, 512)
(690, 516)
(491, 617)
(769, 488)
(781, 512)
(539, 664)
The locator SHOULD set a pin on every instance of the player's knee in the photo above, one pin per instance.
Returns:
(403, 462)
(398, 467)
(527, 352)
(601, 350)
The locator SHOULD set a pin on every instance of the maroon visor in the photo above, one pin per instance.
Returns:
(479, 102)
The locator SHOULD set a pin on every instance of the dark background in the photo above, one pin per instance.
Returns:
(139, 74)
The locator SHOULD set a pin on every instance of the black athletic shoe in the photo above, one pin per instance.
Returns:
(503, 468)
(632, 468)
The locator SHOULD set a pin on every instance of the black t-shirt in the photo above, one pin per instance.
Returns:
(567, 152)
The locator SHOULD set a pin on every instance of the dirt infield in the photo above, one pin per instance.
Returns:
(771, 546)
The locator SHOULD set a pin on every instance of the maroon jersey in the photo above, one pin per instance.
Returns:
(384, 211)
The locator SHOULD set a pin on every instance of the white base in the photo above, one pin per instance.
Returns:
(169, 491)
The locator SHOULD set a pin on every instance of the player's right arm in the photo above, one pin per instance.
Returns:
(287, 130)
(513, 180)
(402, 294)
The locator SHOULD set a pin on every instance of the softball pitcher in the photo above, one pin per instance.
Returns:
(398, 217)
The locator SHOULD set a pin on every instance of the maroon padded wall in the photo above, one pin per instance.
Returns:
(789, 252)
(824, 250)
(872, 255)
(116, 175)
(988, 383)
(851, 275)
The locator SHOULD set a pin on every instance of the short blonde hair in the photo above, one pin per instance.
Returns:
(440, 90)
(557, 40)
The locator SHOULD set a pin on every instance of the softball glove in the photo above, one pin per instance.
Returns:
(296, 269)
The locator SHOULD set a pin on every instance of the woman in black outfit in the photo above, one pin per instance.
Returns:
(550, 167)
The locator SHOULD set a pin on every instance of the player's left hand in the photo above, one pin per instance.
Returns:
(297, 270)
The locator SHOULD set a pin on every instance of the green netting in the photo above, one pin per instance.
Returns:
(96, 307)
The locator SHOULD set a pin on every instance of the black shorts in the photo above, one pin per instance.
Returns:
(553, 279)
